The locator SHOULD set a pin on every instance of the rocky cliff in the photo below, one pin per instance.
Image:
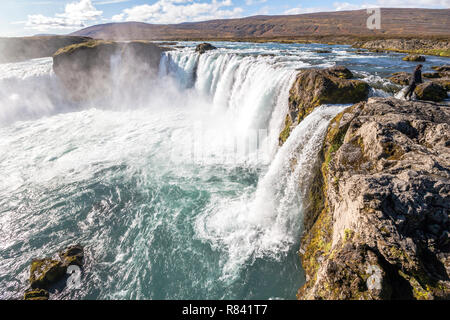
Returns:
(314, 87)
(377, 225)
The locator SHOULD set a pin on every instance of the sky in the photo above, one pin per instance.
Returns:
(30, 17)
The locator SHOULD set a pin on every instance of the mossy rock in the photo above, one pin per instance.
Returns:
(315, 87)
(444, 83)
(431, 91)
(203, 47)
(431, 75)
(45, 272)
(414, 57)
(441, 68)
(36, 294)
(73, 255)
(401, 78)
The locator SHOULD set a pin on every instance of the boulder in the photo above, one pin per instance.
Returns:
(314, 87)
(401, 78)
(444, 83)
(441, 68)
(45, 272)
(322, 51)
(431, 91)
(431, 75)
(73, 255)
(86, 69)
(203, 47)
(414, 57)
(377, 225)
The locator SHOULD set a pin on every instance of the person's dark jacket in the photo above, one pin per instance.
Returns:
(416, 78)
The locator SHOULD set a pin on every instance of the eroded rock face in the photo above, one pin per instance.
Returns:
(431, 91)
(86, 69)
(378, 225)
(203, 47)
(314, 87)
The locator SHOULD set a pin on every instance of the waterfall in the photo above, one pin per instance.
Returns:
(250, 90)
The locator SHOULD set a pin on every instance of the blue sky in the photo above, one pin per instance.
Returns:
(29, 17)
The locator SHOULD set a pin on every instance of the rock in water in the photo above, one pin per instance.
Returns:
(86, 69)
(203, 47)
(378, 225)
(401, 78)
(414, 57)
(444, 68)
(44, 272)
(431, 91)
(36, 294)
(73, 255)
(314, 87)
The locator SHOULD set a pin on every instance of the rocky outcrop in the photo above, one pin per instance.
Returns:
(445, 68)
(314, 87)
(431, 91)
(203, 47)
(440, 79)
(378, 225)
(431, 75)
(86, 69)
(414, 57)
(417, 46)
(401, 78)
(46, 272)
(20, 49)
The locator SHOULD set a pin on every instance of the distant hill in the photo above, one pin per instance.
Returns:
(394, 21)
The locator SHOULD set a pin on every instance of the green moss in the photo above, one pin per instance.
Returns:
(44, 272)
(348, 235)
(284, 135)
(36, 294)
(87, 44)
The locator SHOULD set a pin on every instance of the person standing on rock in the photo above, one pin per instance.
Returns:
(415, 79)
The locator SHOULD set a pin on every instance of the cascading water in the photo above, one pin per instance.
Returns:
(177, 190)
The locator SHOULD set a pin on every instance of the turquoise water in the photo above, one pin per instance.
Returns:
(155, 186)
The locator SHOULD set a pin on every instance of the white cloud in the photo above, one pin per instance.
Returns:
(252, 2)
(301, 10)
(75, 15)
(177, 11)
